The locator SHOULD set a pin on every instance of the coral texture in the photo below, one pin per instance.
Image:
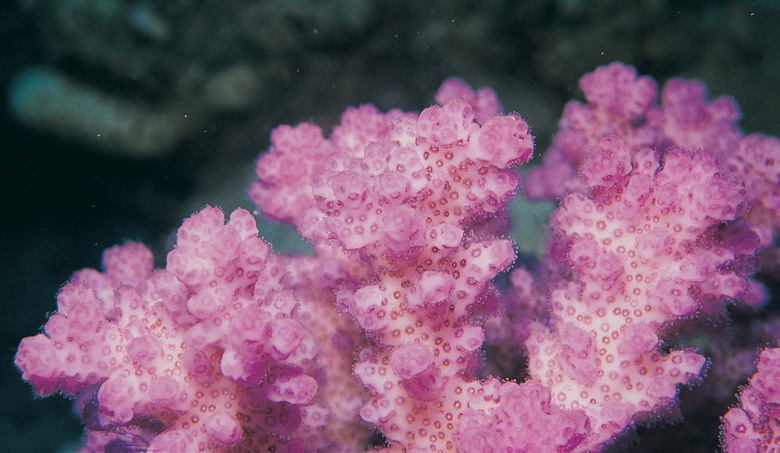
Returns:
(408, 195)
(753, 425)
(640, 252)
(623, 104)
(204, 354)
(232, 347)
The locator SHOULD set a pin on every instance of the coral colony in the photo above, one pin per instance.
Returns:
(232, 347)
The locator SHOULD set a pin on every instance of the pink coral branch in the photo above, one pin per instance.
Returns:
(637, 254)
(621, 103)
(753, 425)
(405, 195)
(203, 354)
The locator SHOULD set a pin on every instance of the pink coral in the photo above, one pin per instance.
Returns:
(203, 354)
(618, 102)
(407, 203)
(756, 160)
(622, 104)
(231, 347)
(753, 425)
(524, 420)
(638, 254)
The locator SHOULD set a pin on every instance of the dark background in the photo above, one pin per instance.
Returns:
(64, 201)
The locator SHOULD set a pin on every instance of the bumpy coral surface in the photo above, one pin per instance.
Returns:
(231, 347)
(621, 103)
(753, 425)
(407, 195)
(205, 354)
(643, 250)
